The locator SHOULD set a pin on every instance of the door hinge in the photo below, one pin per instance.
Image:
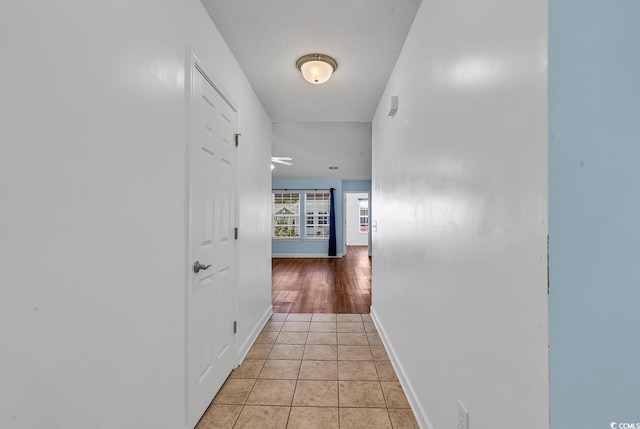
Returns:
(237, 138)
(235, 327)
(235, 232)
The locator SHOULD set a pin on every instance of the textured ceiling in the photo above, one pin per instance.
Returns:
(315, 146)
(268, 36)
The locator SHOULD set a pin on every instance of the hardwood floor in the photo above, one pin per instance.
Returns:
(323, 285)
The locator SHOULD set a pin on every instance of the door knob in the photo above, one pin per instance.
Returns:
(197, 266)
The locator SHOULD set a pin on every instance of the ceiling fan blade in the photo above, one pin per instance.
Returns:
(279, 161)
(282, 158)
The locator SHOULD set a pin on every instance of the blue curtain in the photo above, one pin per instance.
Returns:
(332, 225)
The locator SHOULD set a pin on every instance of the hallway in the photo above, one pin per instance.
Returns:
(503, 188)
(308, 371)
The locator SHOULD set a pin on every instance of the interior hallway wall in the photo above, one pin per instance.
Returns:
(93, 226)
(594, 148)
(459, 193)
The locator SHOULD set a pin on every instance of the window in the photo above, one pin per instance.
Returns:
(364, 214)
(286, 214)
(287, 208)
(317, 214)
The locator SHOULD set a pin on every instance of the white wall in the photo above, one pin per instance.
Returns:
(94, 209)
(459, 192)
(254, 242)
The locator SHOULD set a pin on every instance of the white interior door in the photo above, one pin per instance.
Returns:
(211, 295)
(355, 235)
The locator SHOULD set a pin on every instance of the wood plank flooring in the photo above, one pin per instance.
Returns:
(323, 285)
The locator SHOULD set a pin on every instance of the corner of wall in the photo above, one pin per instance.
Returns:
(253, 334)
(418, 411)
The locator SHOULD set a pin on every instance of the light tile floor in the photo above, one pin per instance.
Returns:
(308, 371)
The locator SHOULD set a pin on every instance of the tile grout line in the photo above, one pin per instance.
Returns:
(299, 371)
(238, 417)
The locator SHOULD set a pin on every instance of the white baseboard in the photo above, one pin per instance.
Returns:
(305, 255)
(416, 407)
(246, 345)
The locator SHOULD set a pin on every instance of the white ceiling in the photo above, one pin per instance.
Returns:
(268, 36)
(315, 146)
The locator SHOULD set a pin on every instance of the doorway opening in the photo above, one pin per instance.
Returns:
(356, 219)
(315, 284)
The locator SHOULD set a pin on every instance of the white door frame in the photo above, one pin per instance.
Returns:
(195, 65)
(344, 217)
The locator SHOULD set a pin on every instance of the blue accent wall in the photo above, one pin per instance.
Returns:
(302, 246)
(594, 212)
(356, 185)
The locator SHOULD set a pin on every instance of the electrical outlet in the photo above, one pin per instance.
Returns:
(463, 417)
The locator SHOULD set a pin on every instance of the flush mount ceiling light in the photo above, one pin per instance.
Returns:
(316, 68)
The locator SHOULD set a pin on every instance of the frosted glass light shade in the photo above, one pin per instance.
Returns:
(316, 72)
(316, 68)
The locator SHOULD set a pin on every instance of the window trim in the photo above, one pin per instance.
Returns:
(316, 215)
(295, 225)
